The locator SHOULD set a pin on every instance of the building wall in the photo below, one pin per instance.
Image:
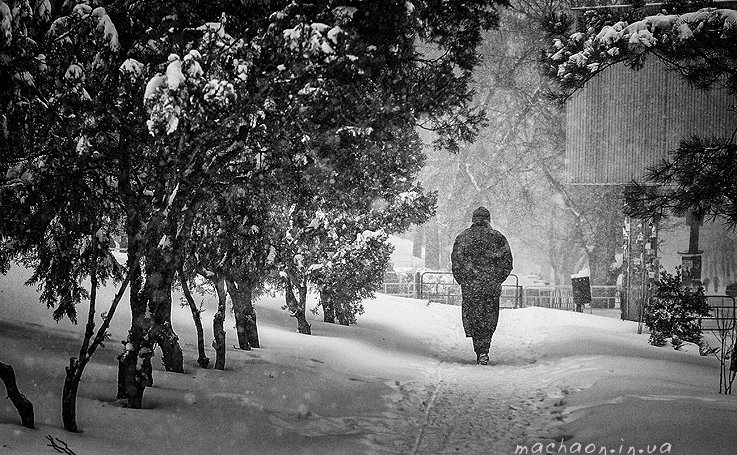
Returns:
(625, 120)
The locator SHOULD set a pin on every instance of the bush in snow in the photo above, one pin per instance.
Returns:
(353, 273)
(675, 311)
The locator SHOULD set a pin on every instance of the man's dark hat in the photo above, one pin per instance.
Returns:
(481, 213)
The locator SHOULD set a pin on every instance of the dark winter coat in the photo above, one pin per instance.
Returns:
(481, 261)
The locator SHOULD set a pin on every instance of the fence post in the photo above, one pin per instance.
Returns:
(418, 285)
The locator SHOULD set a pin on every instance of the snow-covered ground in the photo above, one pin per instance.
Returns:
(401, 381)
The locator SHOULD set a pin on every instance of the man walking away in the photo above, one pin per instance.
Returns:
(481, 261)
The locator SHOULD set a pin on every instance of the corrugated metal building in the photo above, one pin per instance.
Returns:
(626, 120)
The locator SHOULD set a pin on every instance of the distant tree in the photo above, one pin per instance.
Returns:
(517, 167)
(364, 145)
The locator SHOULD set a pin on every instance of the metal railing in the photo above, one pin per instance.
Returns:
(446, 290)
(721, 317)
(557, 297)
(405, 289)
(722, 323)
(561, 297)
(441, 287)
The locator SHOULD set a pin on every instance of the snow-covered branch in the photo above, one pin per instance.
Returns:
(691, 39)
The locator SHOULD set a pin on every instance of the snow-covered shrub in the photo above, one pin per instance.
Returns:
(353, 273)
(675, 311)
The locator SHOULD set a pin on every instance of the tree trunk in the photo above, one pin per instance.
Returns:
(240, 297)
(132, 380)
(217, 326)
(69, 395)
(432, 245)
(135, 371)
(160, 307)
(343, 319)
(150, 325)
(122, 393)
(328, 308)
(172, 356)
(297, 307)
(418, 242)
(21, 403)
(202, 360)
(135, 380)
(247, 288)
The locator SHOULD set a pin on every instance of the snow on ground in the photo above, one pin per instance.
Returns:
(402, 381)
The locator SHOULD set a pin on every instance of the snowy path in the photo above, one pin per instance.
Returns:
(476, 411)
(466, 408)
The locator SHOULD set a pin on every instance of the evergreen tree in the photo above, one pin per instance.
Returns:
(698, 178)
(127, 114)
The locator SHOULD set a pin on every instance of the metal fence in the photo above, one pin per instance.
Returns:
(722, 324)
(441, 287)
(721, 317)
(561, 297)
(405, 289)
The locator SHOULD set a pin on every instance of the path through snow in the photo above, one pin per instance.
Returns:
(460, 407)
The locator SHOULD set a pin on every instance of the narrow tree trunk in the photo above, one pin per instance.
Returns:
(302, 324)
(297, 307)
(249, 311)
(202, 360)
(251, 324)
(86, 351)
(217, 326)
(69, 395)
(74, 376)
(76, 367)
(21, 403)
(328, 308)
